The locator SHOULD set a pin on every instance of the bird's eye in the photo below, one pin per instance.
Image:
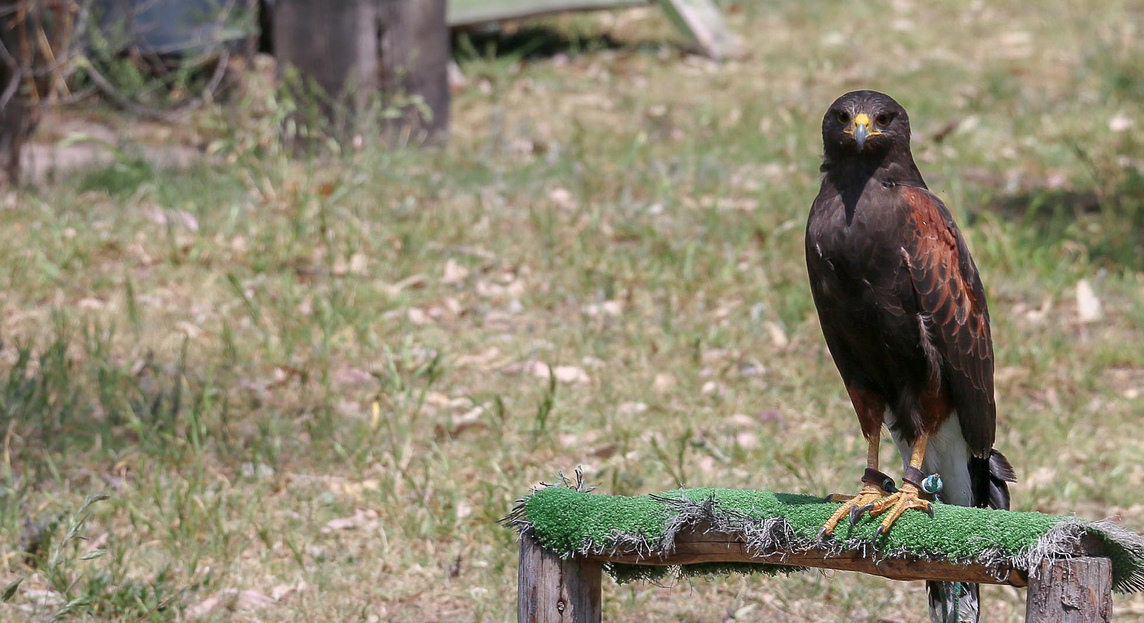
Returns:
(884, 119)
(843, 117)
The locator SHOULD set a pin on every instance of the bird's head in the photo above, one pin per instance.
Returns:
(864, 123)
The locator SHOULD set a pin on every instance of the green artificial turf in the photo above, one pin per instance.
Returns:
(567, 521)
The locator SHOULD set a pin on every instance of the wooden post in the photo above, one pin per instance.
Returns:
(355, 49)
(19, 112)
(1076, 590)
(333, 46)
(414, 68)
(555, 590)
(14, 122)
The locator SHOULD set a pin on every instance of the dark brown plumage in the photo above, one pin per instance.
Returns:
(904, 315)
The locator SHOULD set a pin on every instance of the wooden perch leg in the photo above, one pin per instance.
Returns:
(1077, 590)
(552, 590)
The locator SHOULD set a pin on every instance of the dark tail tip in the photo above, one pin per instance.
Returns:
(1000, 473)
(999, 467)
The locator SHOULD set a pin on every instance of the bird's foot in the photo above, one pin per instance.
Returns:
(897, 503)
(853, 506)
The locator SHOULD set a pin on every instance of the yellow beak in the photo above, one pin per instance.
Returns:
(862, 129)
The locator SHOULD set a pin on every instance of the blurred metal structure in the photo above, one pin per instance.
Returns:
(701, 20)
(54, 51)
(175, 27)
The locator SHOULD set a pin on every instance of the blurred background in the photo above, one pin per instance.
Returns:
(297, 298)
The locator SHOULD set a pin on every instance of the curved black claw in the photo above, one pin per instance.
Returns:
(879, 532)
(823, 535)
(856, 513)
(929, 510)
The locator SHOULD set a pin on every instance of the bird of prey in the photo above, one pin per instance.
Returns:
(903, 312)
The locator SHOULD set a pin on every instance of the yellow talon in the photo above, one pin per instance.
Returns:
(853, 506)
(895, 504)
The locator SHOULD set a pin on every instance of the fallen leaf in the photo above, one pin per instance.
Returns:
(514, 288)
(409, 283)
(562, 197)
(631, 408)
(605, 451)
(231, 599)
(360, 520)
(1088, 307)
(570, 374)
(454, 272)
(778, 335)
(1120, 122)
(611, 309)
(741, 420)
(357, 264)
(747, 440)
(563, 374)
(189, 330)
(353, 377)
(467, 420)
(256, 470)
(711, 387)
(771, 415)
(418, 316)
(282, 591)
(593, 362)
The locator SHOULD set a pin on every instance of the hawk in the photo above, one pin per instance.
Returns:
(903, 312)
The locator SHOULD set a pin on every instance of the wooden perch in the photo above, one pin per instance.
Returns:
(552, 589)
(699, 547)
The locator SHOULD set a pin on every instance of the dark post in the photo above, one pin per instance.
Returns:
(354, 49)
(414, 66)
(18, 115)
(554, 590)
(1076, 590)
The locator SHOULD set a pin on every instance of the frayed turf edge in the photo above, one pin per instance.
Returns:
(775, 535)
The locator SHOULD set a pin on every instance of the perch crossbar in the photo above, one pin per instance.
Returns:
(570, 537)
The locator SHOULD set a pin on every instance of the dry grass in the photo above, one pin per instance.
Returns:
(309, 388)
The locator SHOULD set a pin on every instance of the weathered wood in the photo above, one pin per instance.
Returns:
(355, 50)
(414, 67)
(553, 590)
(1076, 590)
(332, 45)
(17, 119)
(1064, 590)
(699, 546)
(19, 110)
